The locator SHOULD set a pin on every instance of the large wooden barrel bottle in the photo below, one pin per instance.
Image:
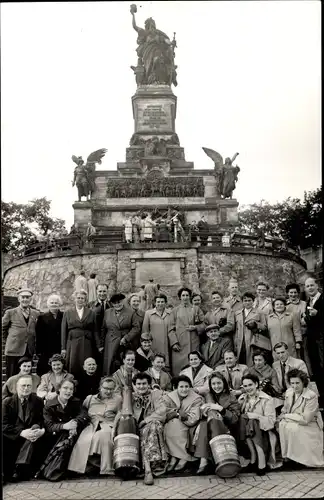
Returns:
(126, 461)
(223, 446)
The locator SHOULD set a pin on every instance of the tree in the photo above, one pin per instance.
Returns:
(298, 222)
(24, 224)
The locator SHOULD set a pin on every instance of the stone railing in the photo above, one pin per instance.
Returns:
(113, 236)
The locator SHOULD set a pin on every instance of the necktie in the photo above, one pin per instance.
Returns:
(210, 347)
(283, 374)
(24, 406)
(102, 310)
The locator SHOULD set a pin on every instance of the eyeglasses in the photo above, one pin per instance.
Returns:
(25, 296)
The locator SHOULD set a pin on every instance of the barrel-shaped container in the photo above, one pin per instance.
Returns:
(225, 455)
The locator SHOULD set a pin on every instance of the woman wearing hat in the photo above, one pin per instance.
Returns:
(80, 339)
(25, 368)
(186, 324)
(53, 378)
(120, 329)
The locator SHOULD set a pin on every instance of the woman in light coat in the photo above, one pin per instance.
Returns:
(285, 327)
(256, 423)
(300, 423)
(197, 372)
(183, 412)
(96, 438)
(186, 326)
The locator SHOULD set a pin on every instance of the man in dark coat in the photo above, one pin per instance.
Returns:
(18, 328)
(314, 319)
(203, 228)
(120, 328)
(215, 347)
(23, 430)
(48, 333)
(100, 305)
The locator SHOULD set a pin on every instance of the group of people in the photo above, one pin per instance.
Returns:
(251, 366)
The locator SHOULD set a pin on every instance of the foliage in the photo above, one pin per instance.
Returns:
(24, 224)
(298, 222)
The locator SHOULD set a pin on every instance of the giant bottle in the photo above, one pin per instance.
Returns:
(126, 461)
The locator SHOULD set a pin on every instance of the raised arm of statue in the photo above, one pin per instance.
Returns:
(133, 10)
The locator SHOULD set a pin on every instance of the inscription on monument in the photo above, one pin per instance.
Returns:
(164, 272)
(153, 117)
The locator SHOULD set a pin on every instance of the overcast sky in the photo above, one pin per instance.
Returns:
(249, 81)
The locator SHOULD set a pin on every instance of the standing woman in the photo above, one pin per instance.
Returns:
(284, 326)
(186, 325)
(157, 323)
(80, 339)
(95, 443)
(48, 333)
(220, 400)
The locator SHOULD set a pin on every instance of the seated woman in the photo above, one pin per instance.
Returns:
(65, 418)
(51, 380)
(25, 365)
(144, 354)
(183, 411)
(95, 443)
(268, 378)
(219, 400)
(197, 372)
(256, 422)
(160, 378)
(150, 412)
(300, 423)
(126, 372)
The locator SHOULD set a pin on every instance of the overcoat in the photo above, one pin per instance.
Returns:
(258, 339)
(304, 420)
(158, 326)
(48, 339)
(80, 339)
(214, 356)
(200, 380)
(17, 333)
(181, 318)
(315, 343)
(286, 328)
(114, 328)
(222, 313)
(97, 436)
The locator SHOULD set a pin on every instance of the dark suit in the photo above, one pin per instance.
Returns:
(315, 343)
(20, 337)
(48, 339)
(17, 449)
(115, 327)
(96, 307)
(79, 338)
(215, 356)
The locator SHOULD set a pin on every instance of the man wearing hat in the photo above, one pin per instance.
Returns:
(18, 328)
(120, 330)
(215, 347)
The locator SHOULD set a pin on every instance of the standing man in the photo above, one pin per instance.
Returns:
(100, 305)
(203, 229)
(314, 320)
(150, 291)
(233, 301)
(18, 328)
(298, 306)
(81, 283)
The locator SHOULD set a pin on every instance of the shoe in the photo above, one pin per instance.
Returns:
(181, 465)
(172, 464)
(148, 479)
(201, 470)
(261, 472)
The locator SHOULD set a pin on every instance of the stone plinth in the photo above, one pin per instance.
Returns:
(82, 213)
(154, 110)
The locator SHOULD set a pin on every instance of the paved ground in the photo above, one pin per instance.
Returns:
(300, 484)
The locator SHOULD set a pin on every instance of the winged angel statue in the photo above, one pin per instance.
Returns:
(225, 173)
(84, 175)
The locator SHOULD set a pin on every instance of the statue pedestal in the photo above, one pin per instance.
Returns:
(82, 214)
(154, 110)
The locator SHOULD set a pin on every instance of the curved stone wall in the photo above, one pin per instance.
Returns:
(201, 268)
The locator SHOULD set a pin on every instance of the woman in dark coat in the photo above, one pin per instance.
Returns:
(64, 418)
(80, 339)
(48, 333)
(222, 404)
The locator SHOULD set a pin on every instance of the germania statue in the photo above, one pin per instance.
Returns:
(155, 53)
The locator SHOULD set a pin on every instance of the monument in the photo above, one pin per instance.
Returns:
(156, 175)
(155, 216)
